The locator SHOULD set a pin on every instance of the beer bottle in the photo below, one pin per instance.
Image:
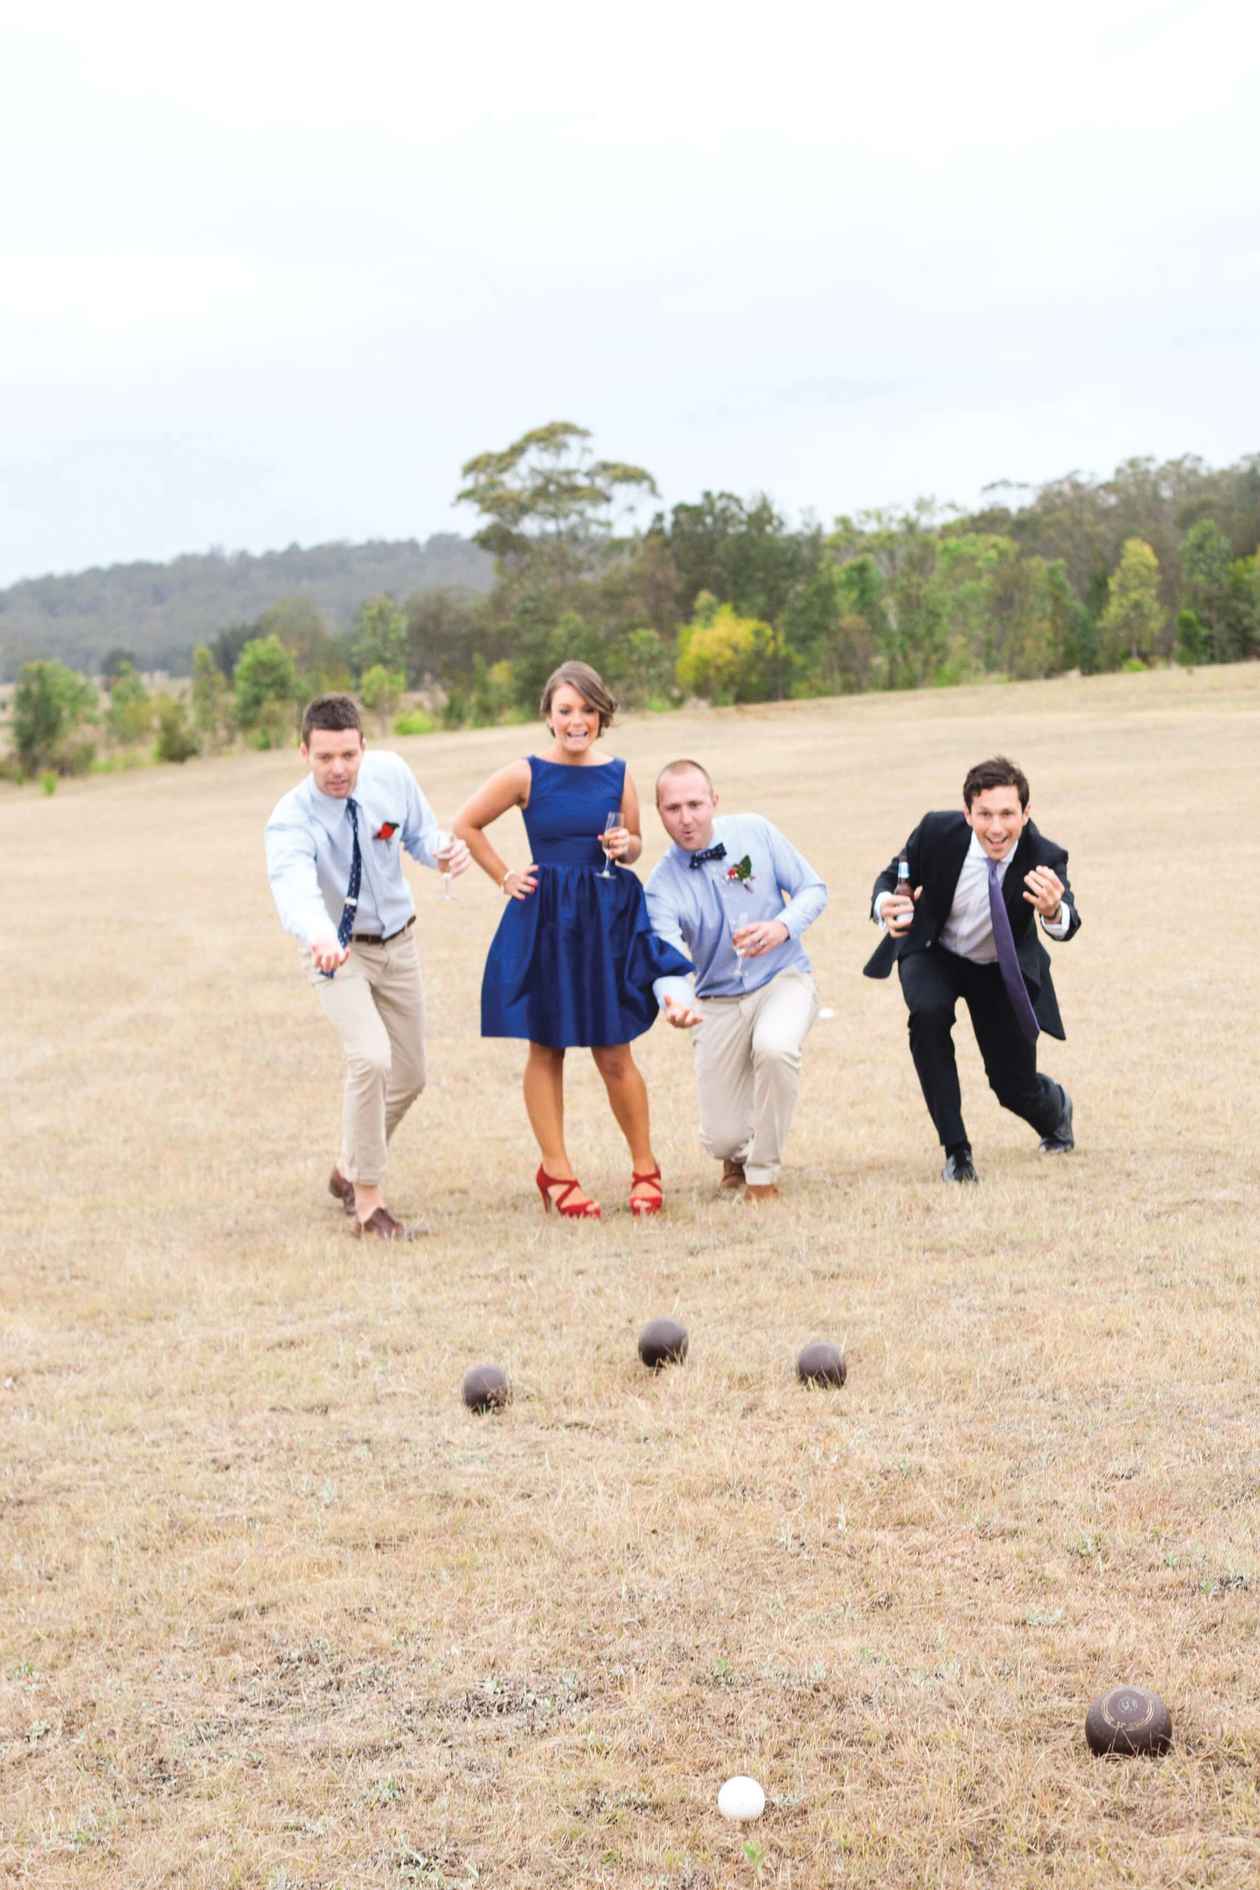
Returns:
(904, 889)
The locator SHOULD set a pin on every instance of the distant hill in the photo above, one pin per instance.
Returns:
(162, 611)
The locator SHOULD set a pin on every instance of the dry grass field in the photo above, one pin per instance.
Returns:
(276, 1611)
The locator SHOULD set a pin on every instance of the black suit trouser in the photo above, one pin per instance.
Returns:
(932, 983)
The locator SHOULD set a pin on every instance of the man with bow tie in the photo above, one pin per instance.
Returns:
(960, 924)
(734, 896)
(334, 859)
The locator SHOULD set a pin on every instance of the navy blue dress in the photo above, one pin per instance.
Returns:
(575, 962)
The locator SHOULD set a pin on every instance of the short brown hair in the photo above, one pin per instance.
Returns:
(997, 772)
(330, 712)
(589, 685)
(676, 767)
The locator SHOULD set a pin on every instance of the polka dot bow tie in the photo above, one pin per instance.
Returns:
(709, 853)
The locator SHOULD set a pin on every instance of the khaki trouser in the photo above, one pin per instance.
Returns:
(748, 1071)
(376, 1005)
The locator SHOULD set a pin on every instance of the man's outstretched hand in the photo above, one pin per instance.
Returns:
(327, 954)
(456, 855)
(681, 1016)
(1045, 892)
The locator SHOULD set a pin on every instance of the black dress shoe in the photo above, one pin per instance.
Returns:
(1060, 1139)
(959, 1167)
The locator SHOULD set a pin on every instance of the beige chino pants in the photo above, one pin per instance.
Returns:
(376, 1005)
(748, 1071)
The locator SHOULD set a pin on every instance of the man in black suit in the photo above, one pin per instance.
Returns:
(967, 931)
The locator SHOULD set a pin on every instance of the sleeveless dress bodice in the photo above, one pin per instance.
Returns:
(567, 809)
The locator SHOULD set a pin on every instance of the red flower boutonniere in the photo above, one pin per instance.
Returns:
(386, 830)
(741, 874)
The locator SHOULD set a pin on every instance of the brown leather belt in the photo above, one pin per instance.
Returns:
(374, 938)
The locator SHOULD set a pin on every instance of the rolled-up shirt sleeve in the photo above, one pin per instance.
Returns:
(807, 892)
(294, 881)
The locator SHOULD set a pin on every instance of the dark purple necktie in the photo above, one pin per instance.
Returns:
(1008, 959)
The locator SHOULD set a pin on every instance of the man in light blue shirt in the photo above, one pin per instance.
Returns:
(334, 859)
(734, 896)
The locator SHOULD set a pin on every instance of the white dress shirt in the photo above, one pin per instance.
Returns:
(310, 845)
(968, 931)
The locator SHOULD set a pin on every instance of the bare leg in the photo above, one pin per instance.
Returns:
(544, 1105)
(628, 1097)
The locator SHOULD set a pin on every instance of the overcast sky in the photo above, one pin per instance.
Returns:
(271, 273)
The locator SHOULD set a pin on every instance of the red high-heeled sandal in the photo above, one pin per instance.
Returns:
(647, 1204)
(587, 1210)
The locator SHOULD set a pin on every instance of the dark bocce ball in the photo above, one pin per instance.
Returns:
(821, 1364)
(663, 1342)
(1129, 1720)
(486, 1388)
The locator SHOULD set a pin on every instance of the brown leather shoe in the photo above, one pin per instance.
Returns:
(732, 1175)
(381, 1225)
(757, 1193)
(341, 1190)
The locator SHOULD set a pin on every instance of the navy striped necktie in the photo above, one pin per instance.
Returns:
(345, 925)
(345, 928)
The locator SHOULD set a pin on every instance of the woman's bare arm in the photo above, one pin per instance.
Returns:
(625, 843)
(506, 789)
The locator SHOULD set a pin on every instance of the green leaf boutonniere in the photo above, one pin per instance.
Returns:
(741, 874)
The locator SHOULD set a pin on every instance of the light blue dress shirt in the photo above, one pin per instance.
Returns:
(696, 908)
(310, 845)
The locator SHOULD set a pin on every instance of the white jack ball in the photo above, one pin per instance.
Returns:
(742, 1799)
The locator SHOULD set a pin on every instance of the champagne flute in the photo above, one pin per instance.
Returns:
(738, 918)
(611, 819)
(443, 842)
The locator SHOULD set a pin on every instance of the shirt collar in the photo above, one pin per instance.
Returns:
(331, 808)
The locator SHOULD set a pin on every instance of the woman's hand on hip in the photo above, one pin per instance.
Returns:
(519, 885)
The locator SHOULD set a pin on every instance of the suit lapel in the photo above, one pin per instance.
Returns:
(1013, 887)
(953, 853)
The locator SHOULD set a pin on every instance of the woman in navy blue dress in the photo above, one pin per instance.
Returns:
(574, 958)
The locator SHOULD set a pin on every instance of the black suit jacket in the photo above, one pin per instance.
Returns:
(936, 851)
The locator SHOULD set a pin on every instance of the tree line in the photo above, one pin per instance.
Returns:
(161, 611)
(723, 598)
